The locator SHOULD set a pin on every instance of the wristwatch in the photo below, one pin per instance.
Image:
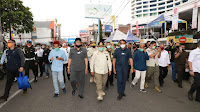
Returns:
(190, 70)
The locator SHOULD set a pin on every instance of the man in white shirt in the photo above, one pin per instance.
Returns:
(163, 62)
(194, 64)
(66, 49)
(100, 64)
(39, 52)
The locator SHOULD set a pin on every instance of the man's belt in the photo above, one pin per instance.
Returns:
(28, 59)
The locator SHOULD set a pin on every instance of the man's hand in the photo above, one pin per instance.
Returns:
(132, 70)
(86, 70)
(43, 63)
(36, 63)
(52, 59)
(145, 50)
(68, 70)
(21, 69)
(180, 51)
(114, 71)
(110, 72)
(192, 73)
(92, 73)
(159, 50)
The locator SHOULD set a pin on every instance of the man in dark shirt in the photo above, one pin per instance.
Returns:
(15, 64)
(46, 61)
(78, 67)
(181, 57)
(121, 59)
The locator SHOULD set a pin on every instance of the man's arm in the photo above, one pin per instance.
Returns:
(191, 58)
(114, 62)
(3, 57)
(21, 55)
(92, 63)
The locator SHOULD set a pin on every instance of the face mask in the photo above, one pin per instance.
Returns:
(154, 47)
(37, 47)
(101, 48)
(111, 47)
(78, 46)
(108, 46)
(9, 45)
(123, 46)
(63, 44)
(141, 50)
(57, 49)
(43, 47)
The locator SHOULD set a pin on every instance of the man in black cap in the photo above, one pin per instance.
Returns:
(78, 67)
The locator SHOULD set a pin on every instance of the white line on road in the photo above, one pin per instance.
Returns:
(13, 95)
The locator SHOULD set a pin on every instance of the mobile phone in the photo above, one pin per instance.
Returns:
(180, 48)
(56, 56)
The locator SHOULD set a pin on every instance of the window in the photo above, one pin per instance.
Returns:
(144, 15)
(145, 6)
(161, 3)
(139, 15)
(169, 6)
(177, 3)
(153, 5)
(185, 1)
(160, 8)
(145, 2)
(170, 1)
(138, 7)
(161, 12)
(139, 3)
(138, 11)
(145, 10)
(153, 1)
(153, 14)
(153, 9)
(138, 0)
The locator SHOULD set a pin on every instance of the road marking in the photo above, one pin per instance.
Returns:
(13, 95)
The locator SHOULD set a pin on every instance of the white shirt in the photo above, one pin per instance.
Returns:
(194, 57)
(164, 61)
(67, 50)
(152, 62)
(39, 52)
(100, 62)
(90, 53)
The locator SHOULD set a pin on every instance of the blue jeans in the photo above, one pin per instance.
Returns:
(173, 71)
(47, 67)
(58, 76)
(121, 78)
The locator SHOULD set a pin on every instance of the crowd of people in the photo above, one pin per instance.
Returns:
(104, 62)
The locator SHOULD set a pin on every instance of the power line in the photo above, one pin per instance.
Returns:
(109, 8)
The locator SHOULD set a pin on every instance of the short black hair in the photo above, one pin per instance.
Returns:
(122, 40)
(13, 40)
(148, 41)
(77, 39)
(153, 42)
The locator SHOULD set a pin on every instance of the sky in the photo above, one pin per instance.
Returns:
(71, 13)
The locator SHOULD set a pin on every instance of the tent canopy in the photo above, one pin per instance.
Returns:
(116, 36)
(131, 37)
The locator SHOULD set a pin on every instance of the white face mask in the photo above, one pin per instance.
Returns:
(64, 44)
(123, 46)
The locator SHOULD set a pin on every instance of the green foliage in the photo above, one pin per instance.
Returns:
(15, 13)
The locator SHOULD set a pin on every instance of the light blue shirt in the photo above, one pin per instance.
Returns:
(57, 65)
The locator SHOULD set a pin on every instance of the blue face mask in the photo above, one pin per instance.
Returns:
(101, 48)
(141, 50)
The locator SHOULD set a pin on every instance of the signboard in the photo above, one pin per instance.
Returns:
(97, 10)
(194, 16)
(108, 28)
(71, 40)
(180, 39)
(175, 19)
(34, 33)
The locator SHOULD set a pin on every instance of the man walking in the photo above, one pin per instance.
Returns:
(78, 67)
(139, 63)
(194, 64)
(163, 62)
(46, 61)
(121, 59)
(39, 52)
(15, 65)
(57, 57)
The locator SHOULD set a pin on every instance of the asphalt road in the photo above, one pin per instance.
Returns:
(40, 99)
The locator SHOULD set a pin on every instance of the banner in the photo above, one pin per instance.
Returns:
(175, 19)
(12, 32)
(194, 16)
(71, 40)
(108, 28)
(180, 39)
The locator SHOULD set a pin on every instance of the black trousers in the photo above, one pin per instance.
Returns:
(10, 78)
(31, 65)
(65, 70)
(163, 74)
(196, 86)
(180, 70)
(110, 79)
(41, 66)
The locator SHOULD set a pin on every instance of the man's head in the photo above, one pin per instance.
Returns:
(47, 47)
(43, 46)
(101, 46)
(142, 46)
(177, 45)
(38, 46)
(122, 43)
(153, 45)
(134, 46)
(56, 44)
(78, 42)
(148, 43)
(108, 45)
(183, 47)
(64, 44)
(162, 46)
(129, 45)
(29, 43)
(11, 43)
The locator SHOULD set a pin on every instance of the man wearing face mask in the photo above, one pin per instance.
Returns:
(78, 67)
(66, 49)
(39, 53)
(91, 50)
(101, 65)
(121, 59)
(31, 60)
(46, 61)
(152, 66)
(163, 62)
(181, 57)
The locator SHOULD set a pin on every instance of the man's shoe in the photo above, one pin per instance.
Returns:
(119, 97)
(175, 81)
(41, 75)
(47, 77)
(91, 79)
(103, 93)
(190, 97)
(124, 94)
(15, 80)
(100, 98)
(73, 92)
(132, 86)
(143, 90)
(180, 86)
(35, 80)
(197, 100)
(146, 85)
(157, 89)
(64, 90)
(3, 98)
(25, 92)
(81, 96)
(56, 95)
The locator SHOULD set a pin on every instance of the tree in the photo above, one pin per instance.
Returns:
(13, 12)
